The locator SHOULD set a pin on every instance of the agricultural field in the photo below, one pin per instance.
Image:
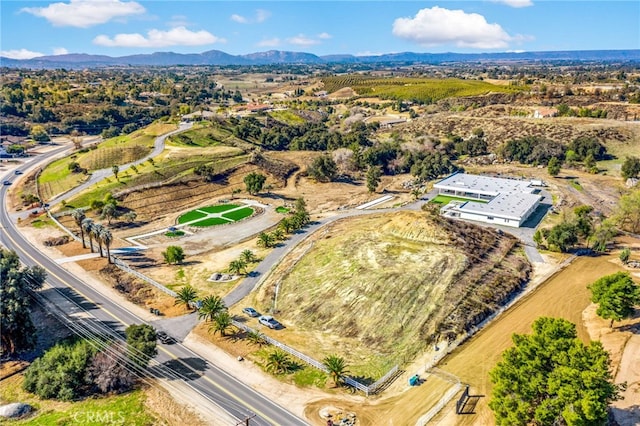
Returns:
(57, 178)
(356, 289)
(418, 89)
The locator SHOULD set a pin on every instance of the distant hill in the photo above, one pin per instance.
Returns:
(217, 57)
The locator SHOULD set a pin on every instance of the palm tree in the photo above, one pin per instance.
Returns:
(278, 362)
(221, 323)
(237, 266)
(78, 215)
(96, 230)
(87, 227)
(211, 307)
(337, 368)
(248, 256)
(186, 295)
(256, 338)
(265, 240)
(286, 225)
(277, 234)
(106, 238)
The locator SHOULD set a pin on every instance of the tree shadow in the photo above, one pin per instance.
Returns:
(186, 368)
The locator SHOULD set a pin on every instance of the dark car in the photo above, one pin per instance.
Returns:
(18, 172)
(164, 337)
(269, 321)
(251, 312)
(6, 182)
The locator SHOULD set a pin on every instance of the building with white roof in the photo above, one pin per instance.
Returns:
(506, 202)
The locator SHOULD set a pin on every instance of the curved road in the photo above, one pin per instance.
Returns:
(98, 175)
(236, 398)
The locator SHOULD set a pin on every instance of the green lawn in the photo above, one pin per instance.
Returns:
(283, 210)
(287, 117)
(218, 208)
(189, 216)
(239, 214)
(210, 222)
(172, 234)
(128, 408)
(444, 199)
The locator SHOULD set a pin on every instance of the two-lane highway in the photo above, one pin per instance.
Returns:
(226, 391)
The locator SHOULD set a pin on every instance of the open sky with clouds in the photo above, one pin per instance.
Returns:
(123, 27)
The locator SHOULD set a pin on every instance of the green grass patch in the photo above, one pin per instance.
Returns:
(287, 117)
(42, 223)
(56, 178)
(210, 222)
(192, 215)
(309, 376)
(283, 210)
(420, 89)
(445, 199)
(576, 185)
(128, 408)
(239, 214)
(218, 208)
(173, 234)
(200, 137)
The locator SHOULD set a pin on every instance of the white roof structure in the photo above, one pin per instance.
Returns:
(509, 199)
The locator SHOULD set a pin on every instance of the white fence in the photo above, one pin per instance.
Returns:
(424, 419)
(368, 390)
(122, 265)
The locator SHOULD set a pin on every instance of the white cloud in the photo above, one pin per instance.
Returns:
(178, 21)
(85, 13)
(239, 19)
(301, 40)
(439, 26)
(515, 3)
(60, 51)
(261, 16)
(271, 42)
(324, 36)
(179, 36)
(19, 54)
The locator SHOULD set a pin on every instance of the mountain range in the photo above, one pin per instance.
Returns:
(277, 57)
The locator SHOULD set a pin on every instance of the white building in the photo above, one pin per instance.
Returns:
(500, 201)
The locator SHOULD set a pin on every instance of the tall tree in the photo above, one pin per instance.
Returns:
(627, 214)
(237, 266)
(141, 343)
(115, 169)
(17, 332)
(186, 296)
(323, 168)
(79, 215)
(96, 231)
(107, 238)
(337, 368)
(616, 296)
(109, 212)
(248, 256)
(373, 178)
(278, 362)
(87, 227)
(553, 167)
(254, 182)
(265, 240)
(211, 307)
(630, 168)
(551, 377)
(108, 370)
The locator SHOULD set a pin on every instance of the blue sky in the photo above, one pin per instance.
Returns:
(123, 27)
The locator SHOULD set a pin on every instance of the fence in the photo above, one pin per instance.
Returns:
(368, 390)
(122, 265)
(424, 419)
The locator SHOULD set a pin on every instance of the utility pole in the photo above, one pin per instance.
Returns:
(245, 421)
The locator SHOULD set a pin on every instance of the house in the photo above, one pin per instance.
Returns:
(544, 112)
(499, 201)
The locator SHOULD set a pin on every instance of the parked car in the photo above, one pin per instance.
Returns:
(164, 337)
(6, 182)
(269, 321)
(251, 312)
(18, 172)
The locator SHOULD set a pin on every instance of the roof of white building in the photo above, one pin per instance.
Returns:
(512, 198)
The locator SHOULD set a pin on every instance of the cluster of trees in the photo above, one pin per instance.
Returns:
(212, 309)
(174, 255)
(17, 331)
(239, 265)
(296, 220)
(94, 231)
(80, 367)
(616, 296)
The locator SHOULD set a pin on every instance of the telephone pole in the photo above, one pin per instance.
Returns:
(245, 421)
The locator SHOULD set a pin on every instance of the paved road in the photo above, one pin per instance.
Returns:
(98, 175)
(69, 292)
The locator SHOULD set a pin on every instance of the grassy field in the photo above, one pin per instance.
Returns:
(359, 291)
(191, 216)
(219, 208)
(418, 89)
(210, 222)
(239, 214)
(127, 408)
(287, 117)
(56, 178)
(445, 199)
(283, 210)
(201, 137)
